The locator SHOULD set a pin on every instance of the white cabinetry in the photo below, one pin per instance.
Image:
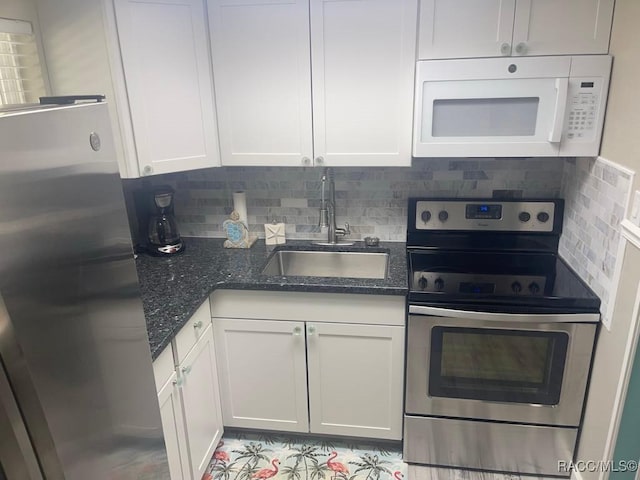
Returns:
(201, 403)
(355, 379)
(354, 364)
(263, 374)
(549, 27)
(188, 395)
(491, 28)
(171, 414)
(351, 63)
(151, 59)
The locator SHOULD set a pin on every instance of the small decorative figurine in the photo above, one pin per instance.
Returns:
(236, 232)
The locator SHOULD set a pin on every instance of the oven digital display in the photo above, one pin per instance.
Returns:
(483, 212)
(474, 287)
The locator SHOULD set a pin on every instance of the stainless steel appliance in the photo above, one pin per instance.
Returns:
(515, 107)
(77, 394)
(500, 337)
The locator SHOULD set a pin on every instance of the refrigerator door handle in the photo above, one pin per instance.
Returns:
(23, 430)
(17, 457)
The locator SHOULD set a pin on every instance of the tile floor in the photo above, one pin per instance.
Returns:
(252, 456)
(244, 456)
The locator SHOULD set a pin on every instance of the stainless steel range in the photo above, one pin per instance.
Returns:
(500, 337)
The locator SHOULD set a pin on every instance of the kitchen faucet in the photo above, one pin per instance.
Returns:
(328, 213)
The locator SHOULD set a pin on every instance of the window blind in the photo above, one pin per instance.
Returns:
(20, 72)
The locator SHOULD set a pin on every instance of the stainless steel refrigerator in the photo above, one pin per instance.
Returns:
(77, 394)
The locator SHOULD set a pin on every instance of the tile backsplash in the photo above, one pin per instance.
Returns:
(596, 193)
(372, 200)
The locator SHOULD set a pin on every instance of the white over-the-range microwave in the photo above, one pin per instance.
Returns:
(511, 107)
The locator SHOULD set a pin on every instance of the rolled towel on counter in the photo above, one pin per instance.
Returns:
(240, 206)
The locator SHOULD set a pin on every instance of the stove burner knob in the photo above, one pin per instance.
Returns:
(543, 217)
(439, 283)
(524, 216)
(423, 283)
(425, 216)
(516, 287)
(534, 288)
(443, 216)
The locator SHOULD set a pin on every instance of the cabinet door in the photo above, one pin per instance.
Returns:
(465, 28)
(173, 428)
(356, 379)
(549, 27)
(201, 403)
(262, 71)
(363, 63)
(263, 374)
(164, 47)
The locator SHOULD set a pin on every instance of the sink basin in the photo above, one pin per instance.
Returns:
(316, 263)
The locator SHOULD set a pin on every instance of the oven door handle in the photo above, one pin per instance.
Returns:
(506, 317)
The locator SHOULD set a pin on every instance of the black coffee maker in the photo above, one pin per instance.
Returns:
(158, 232)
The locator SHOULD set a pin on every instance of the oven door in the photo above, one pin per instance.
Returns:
(497, 366)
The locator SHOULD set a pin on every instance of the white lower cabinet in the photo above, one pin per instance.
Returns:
(263, 374)
(201, 403)
(173, 427)
(189, 399)
(328, 372)
(355, 379)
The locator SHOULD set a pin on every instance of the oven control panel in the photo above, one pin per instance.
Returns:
(485, 215)
(482, 284)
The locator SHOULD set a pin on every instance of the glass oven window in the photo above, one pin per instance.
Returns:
(497, 365)
(485, 117)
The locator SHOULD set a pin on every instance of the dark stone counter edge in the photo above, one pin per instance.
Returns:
(173, 288)
(316, 288)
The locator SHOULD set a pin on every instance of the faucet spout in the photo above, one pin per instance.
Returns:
(328, 212)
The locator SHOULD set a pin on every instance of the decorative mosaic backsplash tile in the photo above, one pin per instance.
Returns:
(596, 193)
(372, 200)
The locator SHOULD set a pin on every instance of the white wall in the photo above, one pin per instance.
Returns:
(19, 10)
(621, 144)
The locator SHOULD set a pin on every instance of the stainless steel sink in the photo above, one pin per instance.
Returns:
(316, 263)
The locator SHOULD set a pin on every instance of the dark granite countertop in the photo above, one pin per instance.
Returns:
(174, 287)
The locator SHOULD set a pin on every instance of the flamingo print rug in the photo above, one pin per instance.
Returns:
(243, 456)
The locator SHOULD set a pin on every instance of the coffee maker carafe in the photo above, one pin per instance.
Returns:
(162, 236)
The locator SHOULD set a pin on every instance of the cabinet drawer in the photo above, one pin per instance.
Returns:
(163, 367)
(192, 331)
(309, 307)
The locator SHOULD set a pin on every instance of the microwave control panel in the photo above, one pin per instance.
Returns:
(583, 109)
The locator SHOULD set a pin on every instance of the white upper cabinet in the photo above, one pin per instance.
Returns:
(363, 63)
(263, 80)
(151, 59)
(167, 72)
(353, 61)
(465, 28)
(493, 28)
(549, 27)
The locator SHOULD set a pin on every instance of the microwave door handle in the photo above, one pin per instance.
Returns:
(562, 88)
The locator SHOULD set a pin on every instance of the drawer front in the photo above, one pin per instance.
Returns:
(192, 331)
(310, 307)
(163, 367)
(504, 447)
